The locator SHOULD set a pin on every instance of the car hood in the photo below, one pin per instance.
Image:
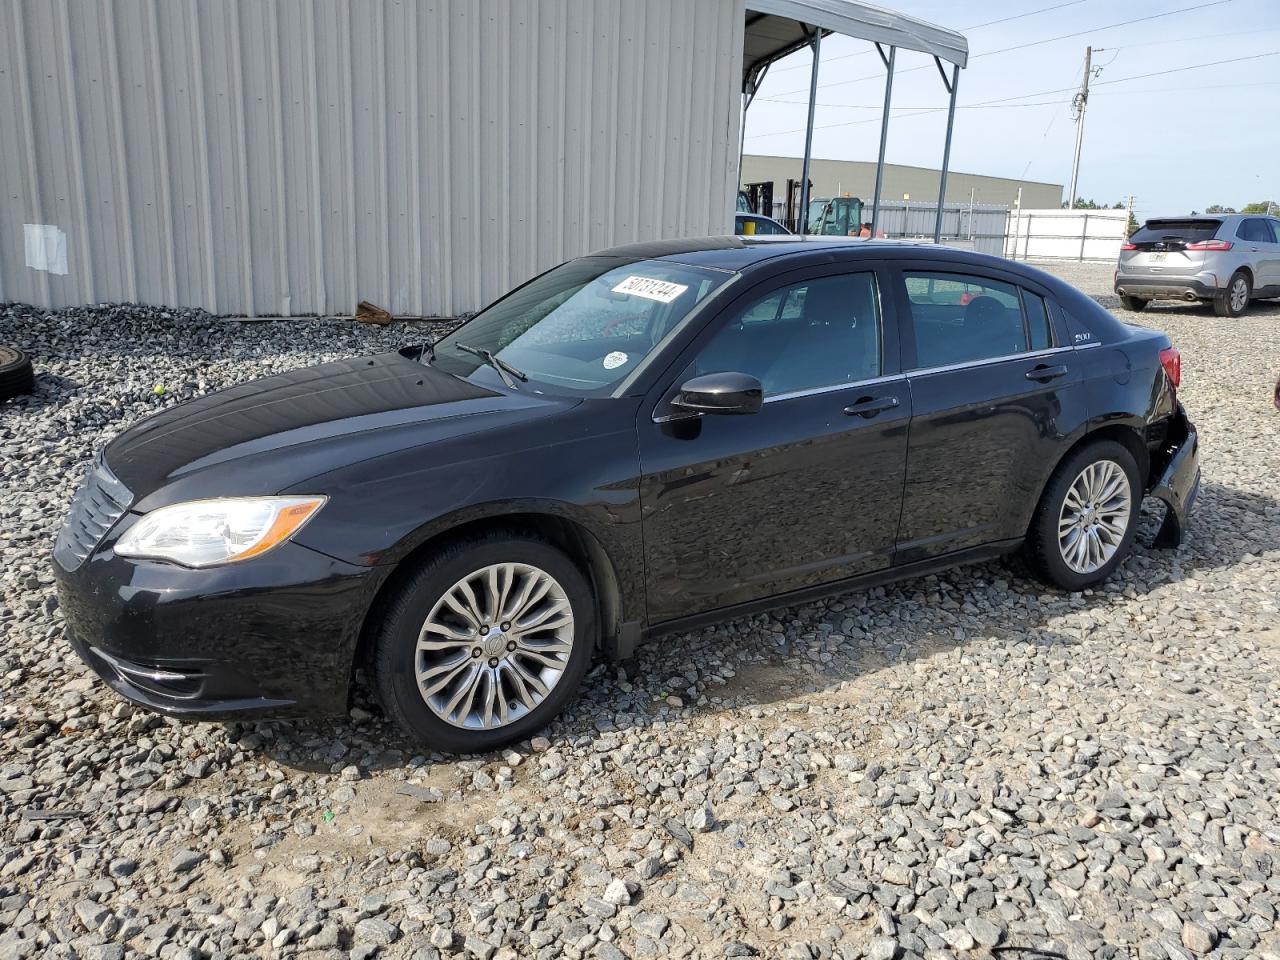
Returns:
(266, 435)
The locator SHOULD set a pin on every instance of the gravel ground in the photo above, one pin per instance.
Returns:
(948, 767)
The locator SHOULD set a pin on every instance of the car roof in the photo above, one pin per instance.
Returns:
(1224, 217)
(739, 253)
(747, 254)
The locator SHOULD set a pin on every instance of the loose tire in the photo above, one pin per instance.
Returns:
(484, 643)
(16, 375)
(1234, 300)
(1133, 303)
(1085, 523)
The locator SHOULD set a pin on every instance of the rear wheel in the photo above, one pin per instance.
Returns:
(1234, 300)
(1087, 517)
(484, 643)
(1133, 303)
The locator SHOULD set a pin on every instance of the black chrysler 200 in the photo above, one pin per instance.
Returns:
(635, 441)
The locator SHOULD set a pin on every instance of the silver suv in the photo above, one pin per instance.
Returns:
(1229, 259)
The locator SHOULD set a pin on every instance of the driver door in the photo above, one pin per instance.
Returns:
(808, 490)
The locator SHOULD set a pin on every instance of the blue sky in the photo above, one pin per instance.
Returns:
(1178, 142)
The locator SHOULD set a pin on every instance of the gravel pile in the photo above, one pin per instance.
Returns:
(946, 768)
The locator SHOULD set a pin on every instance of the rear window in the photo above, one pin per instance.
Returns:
(1184, 231)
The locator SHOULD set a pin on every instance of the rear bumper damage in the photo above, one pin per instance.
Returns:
(1178, 480)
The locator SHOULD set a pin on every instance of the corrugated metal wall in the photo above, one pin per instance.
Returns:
(269, 157)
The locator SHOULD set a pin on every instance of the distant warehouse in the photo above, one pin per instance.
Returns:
(774, 179)
(297, 156)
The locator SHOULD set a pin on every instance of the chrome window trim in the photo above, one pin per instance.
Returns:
(834, 387)
(987, 361)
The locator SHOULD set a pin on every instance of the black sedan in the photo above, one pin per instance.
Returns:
(634, 442)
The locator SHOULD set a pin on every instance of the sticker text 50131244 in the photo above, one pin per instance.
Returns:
(664, 291)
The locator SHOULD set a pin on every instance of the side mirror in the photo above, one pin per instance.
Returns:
(720, 393)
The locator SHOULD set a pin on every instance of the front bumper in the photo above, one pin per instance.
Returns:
(1178, 482)
(1202, 286)
(274, 636)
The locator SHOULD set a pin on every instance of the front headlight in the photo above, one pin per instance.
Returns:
(203, 533)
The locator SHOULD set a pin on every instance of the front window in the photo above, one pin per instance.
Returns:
(580, 328)
(818, 333)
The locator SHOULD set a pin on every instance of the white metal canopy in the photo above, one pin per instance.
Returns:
(777, 28)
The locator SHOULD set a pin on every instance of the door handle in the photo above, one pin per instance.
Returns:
(1043, 373)
(868, 407)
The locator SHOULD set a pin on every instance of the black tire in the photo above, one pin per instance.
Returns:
(1222, 300)
(402, 618)
(16, 375)
(1044, 555)
(1133, 303)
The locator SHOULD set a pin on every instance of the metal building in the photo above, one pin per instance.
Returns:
(920, 184)
(287, 157)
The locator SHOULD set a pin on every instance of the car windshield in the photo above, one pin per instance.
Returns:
(577, 329)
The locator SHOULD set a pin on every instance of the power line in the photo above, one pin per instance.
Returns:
(1198, 38)
(1039, 93)
(976, 26)
(1024, 46)
(1044, 103)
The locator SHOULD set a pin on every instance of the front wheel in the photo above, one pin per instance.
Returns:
(1133, 303)
(484, 643)
(1234, 300)
(1087, 517)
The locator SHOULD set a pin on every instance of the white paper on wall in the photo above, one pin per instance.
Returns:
(46, 247)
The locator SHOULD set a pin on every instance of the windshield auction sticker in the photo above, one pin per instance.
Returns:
(663, 291)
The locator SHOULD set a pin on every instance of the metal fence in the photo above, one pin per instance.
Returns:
(1065, 234)
(1049, 234)
(979, 227)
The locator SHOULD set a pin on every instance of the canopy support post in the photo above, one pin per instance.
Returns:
(748, 95)
(884, 133)
(803, 220)
(946, 148)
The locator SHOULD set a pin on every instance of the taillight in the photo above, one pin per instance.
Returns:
(1128, 246)
(1210, 245)
(1171, 360)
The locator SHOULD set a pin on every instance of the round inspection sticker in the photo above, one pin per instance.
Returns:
(614, 360)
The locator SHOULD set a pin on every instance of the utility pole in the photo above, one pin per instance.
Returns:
(1078, 104)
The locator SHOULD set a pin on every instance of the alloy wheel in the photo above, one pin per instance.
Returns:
(1096, 513)
(1239, 293)
(494, 645)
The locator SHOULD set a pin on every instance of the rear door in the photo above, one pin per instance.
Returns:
(994, 392)
(1274, 272)
(1261, 251)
